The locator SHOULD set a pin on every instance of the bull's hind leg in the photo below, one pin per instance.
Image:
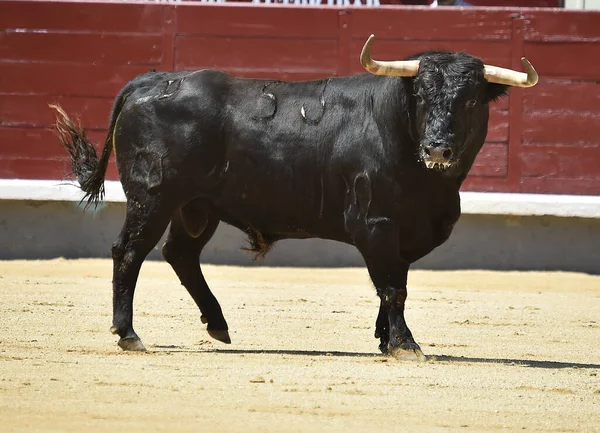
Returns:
(191, 229)
(145, 223)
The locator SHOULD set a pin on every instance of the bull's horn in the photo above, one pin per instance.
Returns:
(401, 68)
(494, 74)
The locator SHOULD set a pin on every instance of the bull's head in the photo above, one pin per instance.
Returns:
(451, 95)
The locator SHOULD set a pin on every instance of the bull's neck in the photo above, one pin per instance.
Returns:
(395, 116)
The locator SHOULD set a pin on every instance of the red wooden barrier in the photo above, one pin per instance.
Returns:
(79, 54)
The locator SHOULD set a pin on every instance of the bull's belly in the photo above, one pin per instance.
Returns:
(280, 218)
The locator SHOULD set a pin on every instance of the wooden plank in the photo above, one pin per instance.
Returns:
(575, 162)
(275, 56)
(280, 75)
(256, 22)
(515, 108)
(561, 128)
(568, 59)
(35, 153)
(442, 24)
(498, 127)
(82, 17)
(33, 110)
(544, 185)
(485, 184)
(36, 168)
(168, 40)
(64, 79)
(517, 3)
(33, 168)
(92, 48)
(492, 161)
(563, 95)
(562, 26)
(37, 143)
(344, 42)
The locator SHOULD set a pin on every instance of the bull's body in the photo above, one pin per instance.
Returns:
(245, 152)
(340, 159)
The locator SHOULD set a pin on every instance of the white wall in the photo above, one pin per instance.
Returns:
(582, 4)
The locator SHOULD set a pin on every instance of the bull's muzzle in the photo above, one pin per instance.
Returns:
(437, 157)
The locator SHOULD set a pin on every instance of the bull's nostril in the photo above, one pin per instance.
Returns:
(447, 154)
(427, 151)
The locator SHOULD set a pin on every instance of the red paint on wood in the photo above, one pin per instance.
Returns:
(96, 49)
(497, 127)
(562, 26)
(576, 162)
(33, 110)
(517, 3)
(515, 112)
(492, 161)
(256, 22)
(81, 17)
(65, 79)
(168, 39)
(569, 59)
(544, 185)
(42, 168)
(344, 42)
(33, 168)
(566, 96)
(486, 184)
(562, 128)
(274, 57)
(443, 24)
(35, 143)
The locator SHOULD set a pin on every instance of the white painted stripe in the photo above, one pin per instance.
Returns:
(582, 206)
(53, 190)
(476, 203)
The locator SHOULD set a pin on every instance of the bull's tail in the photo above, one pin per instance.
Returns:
(85, 165)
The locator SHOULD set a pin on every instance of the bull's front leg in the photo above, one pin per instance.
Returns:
(382, 328)
(377, 238)
(389, 278)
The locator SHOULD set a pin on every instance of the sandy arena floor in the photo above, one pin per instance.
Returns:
(508, 352)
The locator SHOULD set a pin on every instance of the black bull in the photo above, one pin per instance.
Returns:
(374, 160)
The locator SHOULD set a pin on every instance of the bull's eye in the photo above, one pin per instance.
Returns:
(471, 103)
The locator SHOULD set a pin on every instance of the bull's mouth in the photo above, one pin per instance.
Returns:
(439, 166)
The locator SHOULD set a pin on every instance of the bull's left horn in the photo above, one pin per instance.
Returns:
(494, 74)
(400, 68)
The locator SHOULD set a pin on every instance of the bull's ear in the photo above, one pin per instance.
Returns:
(494, 91)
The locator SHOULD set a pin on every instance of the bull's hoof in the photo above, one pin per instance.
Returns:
(221, 335)
(409, 351)
(383, 347)
(133, 344)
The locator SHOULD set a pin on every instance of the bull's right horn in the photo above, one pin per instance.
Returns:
(399, 68)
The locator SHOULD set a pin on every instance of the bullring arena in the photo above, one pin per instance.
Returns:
(508, 351)
(507, 311)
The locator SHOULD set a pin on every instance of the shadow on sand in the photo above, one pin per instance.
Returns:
(430, 357)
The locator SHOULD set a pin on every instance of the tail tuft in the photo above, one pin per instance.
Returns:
(85, 165)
